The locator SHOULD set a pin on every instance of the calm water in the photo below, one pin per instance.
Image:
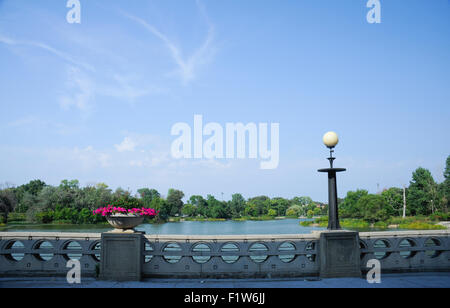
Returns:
(284, 226)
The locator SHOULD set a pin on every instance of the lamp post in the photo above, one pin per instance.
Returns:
(330, 140)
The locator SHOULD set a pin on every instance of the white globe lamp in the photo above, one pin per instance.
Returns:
(330, 139)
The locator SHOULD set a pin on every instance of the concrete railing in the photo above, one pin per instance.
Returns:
(404, 251)
(231, 256)
(46, 254)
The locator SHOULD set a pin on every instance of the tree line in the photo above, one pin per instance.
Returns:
(39, 202)
(424, 197)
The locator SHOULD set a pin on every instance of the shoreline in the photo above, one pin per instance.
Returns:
(315, 222)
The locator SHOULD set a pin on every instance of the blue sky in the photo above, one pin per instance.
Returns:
(96, 101)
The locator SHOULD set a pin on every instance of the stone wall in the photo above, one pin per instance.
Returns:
(294, 255)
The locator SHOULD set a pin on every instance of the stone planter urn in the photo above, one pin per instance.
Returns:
(124, 223)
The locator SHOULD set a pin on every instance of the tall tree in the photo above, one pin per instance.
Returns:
(394, 200)
(237, 205)
(174, 201)
(422, 193)
(148, 195)
(348, 206)
(445, 186)
(7, 203)
(372, 208)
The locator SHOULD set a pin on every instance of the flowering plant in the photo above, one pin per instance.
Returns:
(111, 210)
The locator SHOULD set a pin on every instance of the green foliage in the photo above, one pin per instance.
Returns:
(8, 202)
(128, 202)
(218, 209)
(237, 205)
(189, 210)
(306, 223)
(422, 193)
(348, 207)
(148, 195)
(439, 216)
(68, 202)
(271, 213)
(372, 208)
(174, 201)
(294, 211)
(421, 226)
(444, 188)
(381, 225)
(15, 217)
(394, 201)
(353, 223)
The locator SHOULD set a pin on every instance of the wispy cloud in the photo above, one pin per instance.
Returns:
(37, 123)
(128, 88)
(187, 67)
(80, 91)
(127, 145)
(60, 54)
(82, 84)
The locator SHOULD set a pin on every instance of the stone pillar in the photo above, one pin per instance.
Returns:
(121, 256)
(339, 254)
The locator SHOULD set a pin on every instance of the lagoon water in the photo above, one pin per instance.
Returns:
(229, 227)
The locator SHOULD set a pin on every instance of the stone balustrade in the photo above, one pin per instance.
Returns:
(237, 256)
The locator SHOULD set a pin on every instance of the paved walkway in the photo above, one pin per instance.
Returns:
(410, 280)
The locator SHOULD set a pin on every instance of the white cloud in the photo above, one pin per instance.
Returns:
(62, 55)
(81, 91)
(187, 67)
(124, 87)
(90, 158)
(37, 123)
(127, 145)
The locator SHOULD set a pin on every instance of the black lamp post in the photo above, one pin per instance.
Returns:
(331, 139)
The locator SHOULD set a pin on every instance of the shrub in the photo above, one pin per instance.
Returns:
(439, 216)
(16, 217)
(421, 226)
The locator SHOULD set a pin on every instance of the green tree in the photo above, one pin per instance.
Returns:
(237, 205)
(348, 207)
(218, 209)
(272, 212)
(294, 210)
(159, 204)
(174, 201)
(445, 187)
(259, 205)
(147, 195)
(372, 208)
(7, 203)
(69, 185)
(251, 210)
(394, 200)
(303, 201)
(422, 193)
(280, 205)
(201, 204)
(189, 210)
(127, 202)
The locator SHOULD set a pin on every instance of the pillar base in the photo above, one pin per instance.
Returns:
(121, 256)
(339, 254)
